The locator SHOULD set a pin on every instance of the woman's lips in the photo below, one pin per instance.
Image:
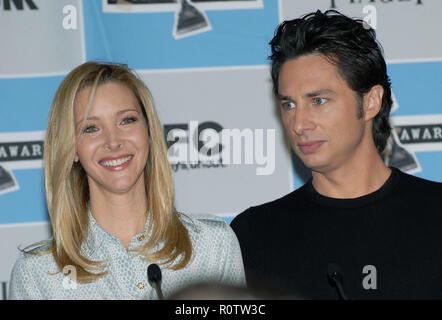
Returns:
(116, 164)
(310, 147)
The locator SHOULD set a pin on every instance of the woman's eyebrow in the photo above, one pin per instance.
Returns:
(97, 118)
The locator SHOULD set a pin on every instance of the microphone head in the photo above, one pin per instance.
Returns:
(154, 273)
(334, 272)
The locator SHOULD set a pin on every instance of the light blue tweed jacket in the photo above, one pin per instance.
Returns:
(216, 258)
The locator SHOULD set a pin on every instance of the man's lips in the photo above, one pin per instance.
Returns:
(310, 146)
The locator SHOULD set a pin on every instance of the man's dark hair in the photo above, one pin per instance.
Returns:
(350, 45)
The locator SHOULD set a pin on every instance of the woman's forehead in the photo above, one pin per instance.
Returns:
(113, 95)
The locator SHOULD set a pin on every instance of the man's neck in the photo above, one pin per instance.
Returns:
(353, 181)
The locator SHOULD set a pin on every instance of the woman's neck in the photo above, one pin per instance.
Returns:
(123, 215)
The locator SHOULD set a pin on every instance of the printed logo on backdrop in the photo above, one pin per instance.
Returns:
(29, 28)
(187, 148)
(334, 3)
(190, 16)
(19, 5)
(417, 19)
(208, 145)
(411, 134)
(19, 150)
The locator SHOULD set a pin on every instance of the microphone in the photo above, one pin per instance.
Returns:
(154, 278)
(335, 275)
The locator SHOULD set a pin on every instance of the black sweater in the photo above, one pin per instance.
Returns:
(394, 232)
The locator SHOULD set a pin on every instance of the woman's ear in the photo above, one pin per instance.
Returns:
(373, 102)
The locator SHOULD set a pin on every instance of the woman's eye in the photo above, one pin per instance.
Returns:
(90, 129)
(319, 101)
(287, 105)
(128, 120)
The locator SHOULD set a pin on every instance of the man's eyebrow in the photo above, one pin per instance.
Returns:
(281, 97)
(318, 93)
(308, 94)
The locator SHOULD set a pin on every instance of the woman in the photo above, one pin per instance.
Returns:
(110, 197)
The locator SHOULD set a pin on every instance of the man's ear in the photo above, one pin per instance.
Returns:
(76, 158)
(373, 102)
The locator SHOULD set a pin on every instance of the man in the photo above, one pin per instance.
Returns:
(357, 229)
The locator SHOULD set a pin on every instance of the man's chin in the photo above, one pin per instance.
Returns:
(315, 165)
(310, 160)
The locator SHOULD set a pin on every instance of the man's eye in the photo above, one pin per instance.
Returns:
(128, 120)
(319, 101)
(287, 105)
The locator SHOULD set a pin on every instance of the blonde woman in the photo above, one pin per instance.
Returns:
(110, 197)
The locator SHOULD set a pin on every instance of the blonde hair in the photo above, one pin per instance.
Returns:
(66, 185)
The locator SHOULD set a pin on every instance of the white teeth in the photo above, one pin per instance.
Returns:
(117, 162)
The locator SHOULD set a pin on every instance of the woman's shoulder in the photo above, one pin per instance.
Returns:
(31, 271)
(207, 227)
(36, 257)
(217, 253)
(203, 222)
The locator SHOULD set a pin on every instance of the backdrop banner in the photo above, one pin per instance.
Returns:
(206, 64)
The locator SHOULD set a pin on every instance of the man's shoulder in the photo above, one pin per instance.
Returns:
(270, 209)
(418, 185)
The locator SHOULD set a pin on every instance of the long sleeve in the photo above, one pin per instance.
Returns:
(22, 284)
(232, 264)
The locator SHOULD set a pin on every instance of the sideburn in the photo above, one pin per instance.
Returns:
(360, 105)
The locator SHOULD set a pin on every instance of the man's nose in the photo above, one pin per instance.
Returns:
(302, 121)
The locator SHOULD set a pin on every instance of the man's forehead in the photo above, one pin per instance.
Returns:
(307, 75)
(320, 62)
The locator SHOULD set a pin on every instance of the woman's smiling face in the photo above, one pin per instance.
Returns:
(113, 144)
